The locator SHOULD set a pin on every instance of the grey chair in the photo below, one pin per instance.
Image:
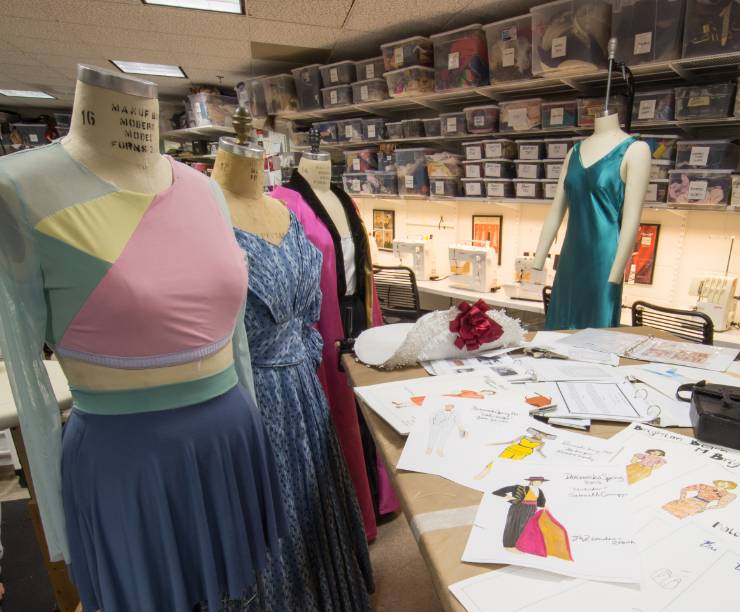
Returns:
(397, 293)
(686, 324)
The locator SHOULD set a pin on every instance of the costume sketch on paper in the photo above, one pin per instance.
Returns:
(697, 498)
(519, 448)
(442, 422)
(530, 528)
(642, 465)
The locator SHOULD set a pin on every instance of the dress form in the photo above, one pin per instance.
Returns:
(635, 173)
(239, 172)
(115, 130)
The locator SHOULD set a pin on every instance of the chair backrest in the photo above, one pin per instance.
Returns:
(686, 324)
(397, 292)
(546, 293)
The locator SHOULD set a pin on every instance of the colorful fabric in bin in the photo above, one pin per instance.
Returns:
(471, 57)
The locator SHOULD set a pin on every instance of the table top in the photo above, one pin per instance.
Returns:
(439, 511)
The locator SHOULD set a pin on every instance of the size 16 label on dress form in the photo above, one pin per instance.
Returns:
(556, 116)
(697, 190)
(646, 110)
(643, 43)
(508, 58)
(453, 61)
(559, 47)
(699, 156)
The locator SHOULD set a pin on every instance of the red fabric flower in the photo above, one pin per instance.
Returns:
(474, 327)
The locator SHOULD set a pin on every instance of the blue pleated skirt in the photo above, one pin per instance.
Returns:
(173, 509)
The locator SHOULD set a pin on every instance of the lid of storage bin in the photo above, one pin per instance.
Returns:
(493, 140)
(433, 119)
(404, 41)
(393, 122)
(671, 136)
(342, 63)
(700, 172)
(43, 125)
(564, 139)
(275, 77)
(505, 21)
(406, 68)
(499, 160)
(440, 155)
(375, 80)
(409, 150)
(480, 107)
(551, 161)
(356, 151)
(470, 180)
(660, 180)
(662, 162)
(523, 180)
(409, 120)
(560, 102)
(703, 142)
(294, 70)
(455, 114)
(472, 161)
(369, 60)
(510, 102)
(550, 181)
(529, 161)
(497, 180)
(336, 87)
(382, 172)
(468, 28)
(526, 142)
(653, 92)
(355, 174)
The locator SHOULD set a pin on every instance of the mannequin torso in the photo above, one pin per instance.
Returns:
(241, 180)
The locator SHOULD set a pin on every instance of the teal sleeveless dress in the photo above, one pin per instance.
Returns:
(581, 294)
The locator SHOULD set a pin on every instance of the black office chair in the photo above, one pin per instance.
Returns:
(397, 293)
(546, 294)
(686, 324)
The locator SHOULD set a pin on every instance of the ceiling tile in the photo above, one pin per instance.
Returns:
(358, 45)
(487, 11)
(300, 35)
(328, 13)
(416, 15)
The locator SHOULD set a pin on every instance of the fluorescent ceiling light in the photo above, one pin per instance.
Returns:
(221, 6)
(21, 93)
(165, 70)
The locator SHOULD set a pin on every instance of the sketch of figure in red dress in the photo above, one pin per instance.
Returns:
(698, 498)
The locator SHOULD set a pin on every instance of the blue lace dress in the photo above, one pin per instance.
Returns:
(324, 563)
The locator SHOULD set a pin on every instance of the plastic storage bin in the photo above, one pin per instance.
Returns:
(590, 108)
(530, 149)
(394, 130)
(482, 119)
(32, 134)
(63, 120)
(707, 154)
(498, 168)
(255, 90)
(656, 105)
(453, 124)
(648, 30)
(509, 49)
(372, 68)
(280, 94)
(355, 183)
(473, 150)
(528, 188)
(411, 169)
(735, 197)
(371, 90)
(445, 165)
(382, 183)
(529, 169)
(737, 102)
(442, 187)
(557, 148)
(559, 114)
(657, 190)
(662, 146)
(706, 30)
(373, 129)
(432, 127)
(705, 101)
(549, 189)
(473, 169)
(341, 95)
(474, 188)
(211, 109)
(327, 130)
(414, 51)
(412, 128)
(412, 81)
(660, 168)
(499, 188)
(460, 58)
(703, 188)
(501, 148)
(349, 130)
(308, 86)
(570, 35)
(361, 160)
(553, 168)
(339, 73)
(520, 115)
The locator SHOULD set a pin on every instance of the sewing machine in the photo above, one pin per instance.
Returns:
(417, 254)
(473, 266)
(528, 282)
(715, 298)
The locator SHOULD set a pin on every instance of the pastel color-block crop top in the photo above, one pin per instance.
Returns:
(141, 297)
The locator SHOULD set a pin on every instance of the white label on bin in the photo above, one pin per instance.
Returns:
(452, 124)
(408, 180)
(643, 43)
(356, 184)
(696, 101)
(472, 171)
(495, 190)
(398, 56)
(472, 189)
(517, 119)
(550, 190)
(479, 120)
(651, 195)
(493, 169)
(699, 156)
(509, 57)
(371, 131)
(453, 61)
(333, 75)
(356, 164)
(494, 149)
(472, 152)
(33, 138)
(333, 97)
(370, 71)
(439, 187)
(557, 150)
(525, 190)
(348, 131)
(697, 190)
(528, 171)
(529, 152)
(553, 171)
(556, 116)
(646, 110)
(363, 92)
(559, 46)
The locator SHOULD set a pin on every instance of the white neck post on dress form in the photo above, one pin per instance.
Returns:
(607, 124)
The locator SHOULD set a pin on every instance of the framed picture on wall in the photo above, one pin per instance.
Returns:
(488, 227)
(641, 264)
(384, 228)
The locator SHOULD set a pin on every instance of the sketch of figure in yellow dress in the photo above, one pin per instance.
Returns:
(642, 465)
(519, 448)
(698, 498)
(441, 424)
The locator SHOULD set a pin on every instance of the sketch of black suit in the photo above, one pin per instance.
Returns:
(524, 504)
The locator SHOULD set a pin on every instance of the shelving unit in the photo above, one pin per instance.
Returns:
(211, 132)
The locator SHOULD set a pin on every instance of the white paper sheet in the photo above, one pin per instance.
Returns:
(667, 378)
(603, 401)
(495, 361)
(549, 370)
(551, 341)
(467, 440)
(564, 519)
